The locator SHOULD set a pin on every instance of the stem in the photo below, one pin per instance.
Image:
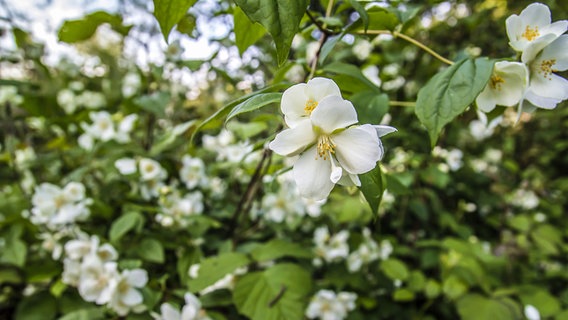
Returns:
(411, 40)
(322, 40)
(409, 104)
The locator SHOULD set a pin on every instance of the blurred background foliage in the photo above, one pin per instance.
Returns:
(478, 225)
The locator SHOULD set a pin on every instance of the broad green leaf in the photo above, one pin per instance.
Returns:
(246, 31)
(454, 287)
(432, 289)
(394, 269)
(280, 17)
(450, 92)
(379, 19)
(214, 268)
(155, 103)
(170, 139)
(278, 293)
(124, 224)
(279, 248)
(475, 306)
(15, 250)
(371, 106)
(352, 73)
(329, 45)
(85, 314)
(229, 106)
(547, 304)
(403, 294)
(41, 306)
(79, 30)
(151, 250)
(187, 24)
(170, 12)
(253, 103)
(372, 187)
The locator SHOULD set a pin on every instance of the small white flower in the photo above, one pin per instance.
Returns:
(505, 87)
(190, 311)
(483, 128)
(531, 312)
(125, 166)
(192, 172)
(326, 305)
(362, 49)
(532, 30)
(96, 278)
(331, 248)
(149, 169)
(124, 294)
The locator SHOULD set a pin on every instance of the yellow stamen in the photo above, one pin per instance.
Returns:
(546, 68)
(310, 106)
(495, 82)
(324, 147)
(530, 34)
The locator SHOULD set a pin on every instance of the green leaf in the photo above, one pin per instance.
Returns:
(394, 269)
(15, 250)
(540, 298)
(371, 106)
(454, 287)
(278, 293)
(215, 268)
(79, 30)
(155, 103)
(372, 188)
(450, 92)
(379, 19)
(278, 248)
(187, 24)
(403, 295)
(229, 107)
(151, 250)
(85, 314)
(329, 45)
(280, 17)
(353, 74)
(432, 289)
(361, 11)
(41, 306)
(170, 12)
(475, 306)
(246, 31)
(169, 138)
(124, 224)
(253, 103)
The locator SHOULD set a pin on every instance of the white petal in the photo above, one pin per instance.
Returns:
(540, 101)
(357, 149)
(169, 312)
(336, 171)
(293, 103)
(312, 175)
(536, 14)
(384, 130)
(486, 100)
(132, 297)
(319, 88)
(294, 140)
(535, 46)
(137, 277)
(557, 50)
(334, 113)
(554, 87)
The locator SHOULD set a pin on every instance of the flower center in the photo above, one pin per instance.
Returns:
(495, 82)
(546, 68)
(530, 34)
(311, 104)
(324, 147)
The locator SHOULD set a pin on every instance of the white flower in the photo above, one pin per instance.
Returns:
(532, 30)
(130, 84)
(482, 128)
(125, 297)
(362, 49)
(192, 172)
(125, 166)
(300, 100)
(95, 279)
(176, 210)
(525, 199)
(367, 252)
(546, 89)
(125, 127)
(371, 72)
(54, 207)
(505, 87)
(149, 169)
(531, 312)
(333, 150)
(102, 127)
(190, 311)
(326, 305)
(66, 99)
(331, 249)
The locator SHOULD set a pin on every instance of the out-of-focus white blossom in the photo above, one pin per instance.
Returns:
(55, 207)
(104, 128)
(177, 210)
(330, 248)
(362, 49)
(327, 305)
(126, 166)
(525, 199)
(192, 172)
(482, 129)
(190, 311)
(531, 312)
(124, 294)
(131, 83)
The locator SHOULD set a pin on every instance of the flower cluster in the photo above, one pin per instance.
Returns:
(190, 311)
(92, 268)
(368, 251)
(322, 131)
(151, 174)
(176, 210)
(54, 207)
(533, 82)
(105, 128)
(327, 305)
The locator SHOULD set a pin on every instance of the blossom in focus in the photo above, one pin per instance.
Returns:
(547, 89)
(331, 149)
(300, 100)
(505, 87)
(327, 305)
(532, 30)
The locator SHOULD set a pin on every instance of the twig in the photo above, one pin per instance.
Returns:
(322, 40)
(272, 302)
